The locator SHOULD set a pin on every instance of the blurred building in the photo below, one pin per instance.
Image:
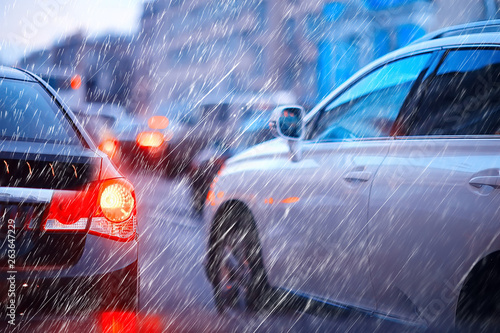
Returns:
(194, 48)
(190, 48)
(104, 64)
(356, 32)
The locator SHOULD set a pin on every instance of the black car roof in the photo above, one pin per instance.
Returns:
(13, 73)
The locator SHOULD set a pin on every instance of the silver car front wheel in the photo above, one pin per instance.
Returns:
(235, 266)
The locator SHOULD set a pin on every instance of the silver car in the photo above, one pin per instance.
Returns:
(383, 200)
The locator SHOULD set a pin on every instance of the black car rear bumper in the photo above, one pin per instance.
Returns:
(131, 155)
(105, 278)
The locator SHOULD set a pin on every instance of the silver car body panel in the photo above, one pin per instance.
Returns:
(437, 222)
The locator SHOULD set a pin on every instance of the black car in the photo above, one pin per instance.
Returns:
(68, 241)
(253, 129)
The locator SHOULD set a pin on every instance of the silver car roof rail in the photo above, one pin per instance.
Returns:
(489, 26)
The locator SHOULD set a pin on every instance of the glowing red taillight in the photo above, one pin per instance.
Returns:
(76, 82)
(70, 210)
(116, 214)
(123, 322)
(109, 147)
(106, 208)
(150, 139)
(116, 201)
(129, 322)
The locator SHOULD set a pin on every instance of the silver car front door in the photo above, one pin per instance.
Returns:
(315, 242)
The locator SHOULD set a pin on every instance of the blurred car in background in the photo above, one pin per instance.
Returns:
(128, 140)
(67, 83)
(67, 216)
(182, 145)
(99, 120)
(211, 120)
(143, 142)
(220, 118)
(169, 140)
(252, 128)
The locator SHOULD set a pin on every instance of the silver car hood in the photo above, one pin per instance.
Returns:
(265, 150)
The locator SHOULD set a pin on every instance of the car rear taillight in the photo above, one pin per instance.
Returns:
(70, 210)
(116, 213)
(150, 139)
(109, 147)
(110, 205)
(76, 82)
(158, 122)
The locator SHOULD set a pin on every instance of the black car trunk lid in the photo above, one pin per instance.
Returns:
(29, 176)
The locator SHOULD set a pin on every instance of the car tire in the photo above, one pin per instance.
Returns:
(235, 267)
(479, 304)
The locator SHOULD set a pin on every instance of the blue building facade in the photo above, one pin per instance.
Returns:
(355, 33)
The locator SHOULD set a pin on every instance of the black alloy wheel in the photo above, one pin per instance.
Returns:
(235, 266)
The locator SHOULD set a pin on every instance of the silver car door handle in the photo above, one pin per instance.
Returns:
(357, 176)
(493, 181)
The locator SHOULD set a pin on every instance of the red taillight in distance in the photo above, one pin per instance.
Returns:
(150, 139)
(109, 147)
(76, 82)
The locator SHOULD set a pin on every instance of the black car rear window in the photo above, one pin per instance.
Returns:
(28, 113)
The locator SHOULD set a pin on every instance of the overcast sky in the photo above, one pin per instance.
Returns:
(27, 25)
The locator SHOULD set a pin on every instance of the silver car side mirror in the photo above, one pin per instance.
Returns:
(287, 122)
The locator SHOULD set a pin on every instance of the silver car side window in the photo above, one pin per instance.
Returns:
(463, 98)
(370, 106)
